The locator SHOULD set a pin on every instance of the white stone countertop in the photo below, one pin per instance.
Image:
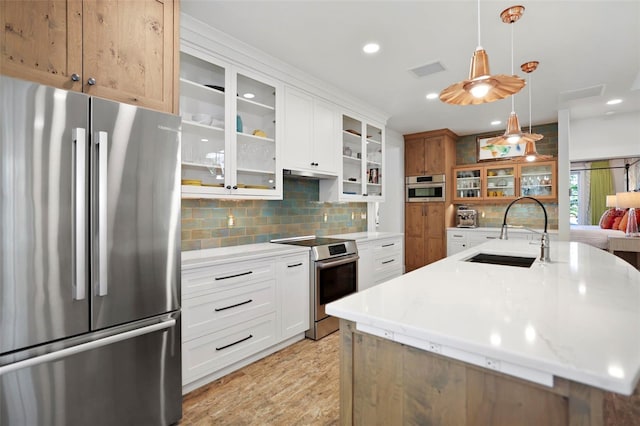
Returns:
(367, 236)
(223, 255)
(577, 317)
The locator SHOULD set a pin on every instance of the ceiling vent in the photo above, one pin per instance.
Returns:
(587, 92)
(428, 69)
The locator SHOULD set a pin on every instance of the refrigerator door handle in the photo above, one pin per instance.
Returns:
(102, 143)
(84, 347)
(79, 285)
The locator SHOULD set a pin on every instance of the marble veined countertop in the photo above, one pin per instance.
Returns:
(577, 317)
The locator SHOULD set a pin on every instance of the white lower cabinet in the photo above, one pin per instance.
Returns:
(380, 260)
(293, 294)
(459, 239)
(238, 312)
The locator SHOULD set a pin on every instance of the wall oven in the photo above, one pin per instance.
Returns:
(421, 189)
(333, 275)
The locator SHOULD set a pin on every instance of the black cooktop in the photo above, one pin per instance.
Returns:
(311, 242)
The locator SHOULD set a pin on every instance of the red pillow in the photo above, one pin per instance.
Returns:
(607, 222)
(618, 223)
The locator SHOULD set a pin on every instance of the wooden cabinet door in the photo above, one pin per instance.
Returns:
(414, 235)
(434, 157)
(128, 49)
(435, 232)
(42, 41)
(414, 153)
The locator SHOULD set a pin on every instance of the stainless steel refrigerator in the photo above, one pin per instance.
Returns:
(89, 260)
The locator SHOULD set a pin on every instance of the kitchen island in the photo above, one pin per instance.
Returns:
(462, 343)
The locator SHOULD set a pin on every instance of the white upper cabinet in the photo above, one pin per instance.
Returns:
(230, 131)
(310, 142)
(361, 176)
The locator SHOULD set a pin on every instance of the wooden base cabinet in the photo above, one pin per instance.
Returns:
(383, 382)
(116, 49)
(424, 234)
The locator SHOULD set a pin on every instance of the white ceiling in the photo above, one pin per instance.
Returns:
(579, 44)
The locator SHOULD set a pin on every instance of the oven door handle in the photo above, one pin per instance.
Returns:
(336, 261)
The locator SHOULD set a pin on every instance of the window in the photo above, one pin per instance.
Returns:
(574, 198)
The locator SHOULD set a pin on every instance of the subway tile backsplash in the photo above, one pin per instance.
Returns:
(222, 223)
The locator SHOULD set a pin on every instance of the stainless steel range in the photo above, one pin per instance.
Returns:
(333, 274)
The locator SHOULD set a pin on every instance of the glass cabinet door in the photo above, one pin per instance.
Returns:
(255, 134)
(538, 179)
(500, 182)
(353, 174)
(373, 146)
(202, 107)
(467, 183)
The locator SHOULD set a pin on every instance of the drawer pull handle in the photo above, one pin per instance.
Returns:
(388, 245)
(294, 265)
(457, 236)
(234, 343)
(388, 261)
(233, 306)
(233, 276)
(490, 238)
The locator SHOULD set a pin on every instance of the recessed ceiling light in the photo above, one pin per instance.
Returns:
(495, 122)
(249, 95)
(432, 96)
(614, 101)
(371, 48)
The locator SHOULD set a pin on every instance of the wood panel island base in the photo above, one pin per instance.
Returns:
(384, 382)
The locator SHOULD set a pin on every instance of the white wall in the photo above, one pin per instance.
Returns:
(614, 136)
(391, 212)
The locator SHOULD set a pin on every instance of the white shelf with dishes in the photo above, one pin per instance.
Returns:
(362, 145)
(229, 132)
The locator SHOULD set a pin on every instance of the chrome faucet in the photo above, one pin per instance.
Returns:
(544, 247)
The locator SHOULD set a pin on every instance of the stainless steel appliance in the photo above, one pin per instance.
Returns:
(466, 217)
(89, 260)
(333, 274)
(421, 189)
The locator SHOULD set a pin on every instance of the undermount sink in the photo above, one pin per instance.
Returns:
(501, 259)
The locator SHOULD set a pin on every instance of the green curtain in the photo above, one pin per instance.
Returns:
(601, 186)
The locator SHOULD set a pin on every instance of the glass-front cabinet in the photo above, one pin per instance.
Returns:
(362, 160)
(467, 183)
(538, 179)
(229, 132)
(500, 181)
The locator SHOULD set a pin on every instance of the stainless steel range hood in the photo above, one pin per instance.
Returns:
(306, 174)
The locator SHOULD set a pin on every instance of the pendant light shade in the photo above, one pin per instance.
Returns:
(530, 151)
(481, 87)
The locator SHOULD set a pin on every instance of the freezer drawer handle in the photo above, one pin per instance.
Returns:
(233, 306)
(294, 265)
(84, 347)
(80, 231)
(234, 276)
(388, 245)
(234, 343)
(388, 261)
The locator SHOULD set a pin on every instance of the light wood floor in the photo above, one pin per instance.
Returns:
(298, 385)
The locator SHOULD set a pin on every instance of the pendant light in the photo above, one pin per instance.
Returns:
(513, 134)
(481, 87)
(530, 152)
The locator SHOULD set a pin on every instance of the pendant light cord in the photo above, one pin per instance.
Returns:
(479, 44)
(513, 108)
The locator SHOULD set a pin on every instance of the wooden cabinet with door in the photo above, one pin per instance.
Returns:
(429, 153)
(424, 234)
(116, 49)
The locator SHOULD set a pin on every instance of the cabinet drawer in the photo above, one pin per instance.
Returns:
(215, 278)
(385, 248)
(387, 262)
(387, 274)
(223, 309)
(215, 351)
